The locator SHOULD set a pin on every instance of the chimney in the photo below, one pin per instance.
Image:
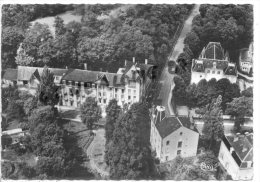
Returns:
(66, 67)
(192, 126)
(231, 150)
(146, 61)
(133, 59)
(85, 66)
(244, 149)
(125, 62)
(161, 112)
(101, 69)
(235, 139)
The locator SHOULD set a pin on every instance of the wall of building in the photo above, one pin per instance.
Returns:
(231, 166)
(155, 140)
(209, 74)
(188, 148)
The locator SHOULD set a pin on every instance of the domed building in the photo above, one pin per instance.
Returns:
(213, 62)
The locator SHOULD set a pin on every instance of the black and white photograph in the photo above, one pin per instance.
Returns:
(128, 91)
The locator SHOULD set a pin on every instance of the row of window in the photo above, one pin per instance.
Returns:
(213, 72)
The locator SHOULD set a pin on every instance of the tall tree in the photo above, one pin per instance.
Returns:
(129, 154)
(47, 92)
(113, 110)
(179, 93)
(240, 108)
(213, 128)
(59, 26)
(90, 112)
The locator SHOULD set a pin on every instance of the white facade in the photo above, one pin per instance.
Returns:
(181, 138)
(212, 63)
(228, 162)
(183, 142)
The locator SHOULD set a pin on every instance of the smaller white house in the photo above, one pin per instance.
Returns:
(246, 59)
(236, 155)
(213, 63)
(172, 136)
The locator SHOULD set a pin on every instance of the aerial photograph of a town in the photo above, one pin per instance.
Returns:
(127, 92)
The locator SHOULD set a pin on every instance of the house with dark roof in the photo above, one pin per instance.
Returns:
(127, 86)
(172, 136)
(213, 62)
(236, 155)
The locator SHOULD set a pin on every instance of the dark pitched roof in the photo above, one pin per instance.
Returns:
(167, 126)
(26, 72)
(142, 66)
(92, 76)
(214, 51)
(58, 72)
(243, 147)
(171, 124)
(10, 74)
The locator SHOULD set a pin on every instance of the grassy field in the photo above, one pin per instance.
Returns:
(67, 17)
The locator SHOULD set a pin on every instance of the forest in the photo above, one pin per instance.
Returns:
(106, 36)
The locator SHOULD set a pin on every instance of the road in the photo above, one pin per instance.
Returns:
(166, 78)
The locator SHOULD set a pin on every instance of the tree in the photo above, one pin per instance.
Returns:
(90, 112)
(47, 92)
(240, 108)
(36, 36)
(11, 39)
(248, 92)
(113, 111)
(179, 93)
(128, 154)
(227, 90)
(59, 26)
(192, 40)
(213, 128)
(201, 93)
(191, 96)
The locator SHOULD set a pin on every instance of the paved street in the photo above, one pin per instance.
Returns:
(166, 78)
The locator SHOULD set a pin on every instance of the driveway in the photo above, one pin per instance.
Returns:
(166, 78)
(96, 152)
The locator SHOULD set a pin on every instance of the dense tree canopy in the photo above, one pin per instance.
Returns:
(213, 128)
(240, 108)
(113, 110)
(128, 154)
(90, 112)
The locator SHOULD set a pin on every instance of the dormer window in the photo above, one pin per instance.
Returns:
(214, 65)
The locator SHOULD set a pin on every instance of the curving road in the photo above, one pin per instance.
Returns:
(166, 78)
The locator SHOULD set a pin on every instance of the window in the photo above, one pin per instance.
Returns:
(179, 144)
(104, 94)
(221, 156)
(180, 133)
(56, 78)
(115, 89)
(129, 91)
(123, 91)
(166, 158)
(129, 97)
(134, 97)
(25, 82)
(218, 72)
(178, 152)
(168, 142)
(208, 71)
(134, 92)
(105, 101)
(116, 96)
(213, 72)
